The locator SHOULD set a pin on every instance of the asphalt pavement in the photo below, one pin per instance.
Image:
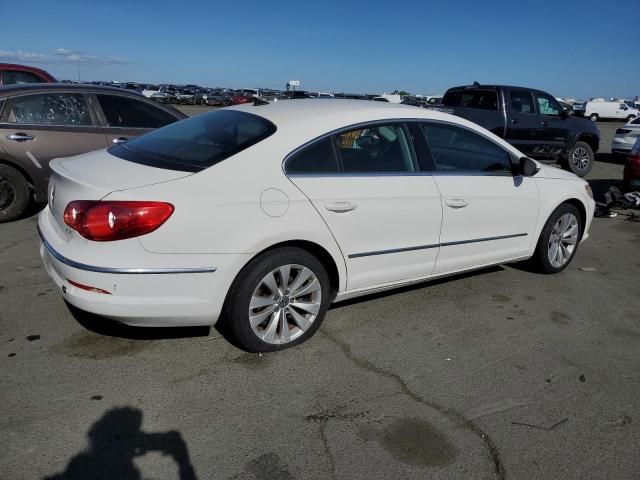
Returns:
(497, 374)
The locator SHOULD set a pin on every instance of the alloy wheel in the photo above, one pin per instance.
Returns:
(285, 304)
(563, 240)
(580, 158)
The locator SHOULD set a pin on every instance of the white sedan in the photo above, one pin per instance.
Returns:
(626, 137)
(263, 215)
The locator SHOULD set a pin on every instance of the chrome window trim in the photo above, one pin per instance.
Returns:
(394, 174)
(436, 245)
(126, 271)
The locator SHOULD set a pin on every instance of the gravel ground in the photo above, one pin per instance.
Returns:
(497, 374)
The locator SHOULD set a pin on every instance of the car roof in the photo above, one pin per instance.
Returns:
(8, 90)
(336, 111)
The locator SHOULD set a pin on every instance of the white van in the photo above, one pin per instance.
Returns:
(597, 109)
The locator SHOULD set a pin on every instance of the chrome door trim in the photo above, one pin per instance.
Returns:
(126, 271)
(437, 245)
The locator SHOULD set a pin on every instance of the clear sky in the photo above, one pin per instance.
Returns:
(574, 48)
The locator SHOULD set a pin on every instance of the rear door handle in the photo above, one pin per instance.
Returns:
(515, 120)
(456, 202)
(544, 124)
(120, 140)
(20, 137)
(340, 207)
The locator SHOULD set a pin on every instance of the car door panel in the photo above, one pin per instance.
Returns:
(32, 134)
(495, 223)
(389, 228)
(488, 215)
(522, 121)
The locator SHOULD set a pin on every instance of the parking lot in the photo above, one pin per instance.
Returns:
(500, 373)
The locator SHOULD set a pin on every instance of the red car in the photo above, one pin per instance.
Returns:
(11, 74)
(631, 177)
(240, 99)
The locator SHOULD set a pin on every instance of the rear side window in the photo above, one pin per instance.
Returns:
(455, 149)
(522, 101)
(377, 148)
(65, 109)
(12, 77)
(198, 142)
(132, 113)
(472, 98)
(317, 158)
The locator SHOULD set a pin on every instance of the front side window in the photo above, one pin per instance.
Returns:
(377, 148)
(548, 105)
(317, 158)
(635, 121)
(521, 102)
(455, 149)
(132, 113)
(198, 142)
(66, 109)
(13, 77)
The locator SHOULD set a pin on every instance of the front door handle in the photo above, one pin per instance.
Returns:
(515, 120)
(340, 207)
(544, 124)
(456, 202)
(20, 137)
(119, 140)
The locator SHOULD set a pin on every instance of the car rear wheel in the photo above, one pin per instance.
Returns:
(594, 117)
(14, 194)
(277, 301)
(559, 240)
(580, 159)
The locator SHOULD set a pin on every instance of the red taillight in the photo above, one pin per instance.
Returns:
(115, 220)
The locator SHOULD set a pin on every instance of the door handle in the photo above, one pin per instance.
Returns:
(20, 137)
(340, 207)
(119, 140)
(515, 120)
(544, 124)
(456, 202)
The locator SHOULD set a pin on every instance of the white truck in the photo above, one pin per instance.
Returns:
(601, 109)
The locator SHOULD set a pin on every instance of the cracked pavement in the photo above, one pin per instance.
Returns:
(499, 374)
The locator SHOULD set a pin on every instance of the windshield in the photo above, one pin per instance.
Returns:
(196, 143)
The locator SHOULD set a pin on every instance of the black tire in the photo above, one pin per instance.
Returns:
(540, 260)
(580, 159)
(594, 117)
(14, 194)
(235, 317)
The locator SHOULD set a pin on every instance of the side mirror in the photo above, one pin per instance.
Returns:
(565, 112)
(527, 167)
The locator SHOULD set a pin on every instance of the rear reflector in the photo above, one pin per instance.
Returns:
(88, 288)
(106, 221)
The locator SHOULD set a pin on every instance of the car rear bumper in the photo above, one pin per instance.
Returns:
(139, 295)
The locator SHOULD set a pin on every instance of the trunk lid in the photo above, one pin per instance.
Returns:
(93, 176)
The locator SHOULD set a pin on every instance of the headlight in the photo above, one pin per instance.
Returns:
(587, 187)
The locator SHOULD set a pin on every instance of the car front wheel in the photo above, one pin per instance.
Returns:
(580, 159)
(559, 240)
(277, 301)
(14, 194)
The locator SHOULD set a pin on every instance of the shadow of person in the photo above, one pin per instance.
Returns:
(115, 440)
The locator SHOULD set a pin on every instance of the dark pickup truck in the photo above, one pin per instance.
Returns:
(531, 120)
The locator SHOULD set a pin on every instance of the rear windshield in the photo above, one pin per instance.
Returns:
(471, 98)
(196, 143)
